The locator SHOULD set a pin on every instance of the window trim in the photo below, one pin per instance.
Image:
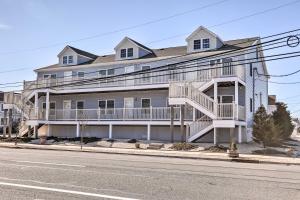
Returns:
(44, 102)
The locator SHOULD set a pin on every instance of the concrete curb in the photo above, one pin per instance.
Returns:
(169, 154)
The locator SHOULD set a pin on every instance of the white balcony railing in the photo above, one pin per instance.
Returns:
(192, 73)
(136, 114)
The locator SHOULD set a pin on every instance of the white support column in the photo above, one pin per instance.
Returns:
(110, 131)
(78, 130)
(216, 97)
(215, 136)
(148, 132)
(236, 98)
(240, 134)
(47, 105)
(49, 130)
(36, 103)
(194, 114)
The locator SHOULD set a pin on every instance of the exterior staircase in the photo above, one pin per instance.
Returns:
(199, 128)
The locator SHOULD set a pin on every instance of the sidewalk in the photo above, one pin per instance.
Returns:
(162, 153)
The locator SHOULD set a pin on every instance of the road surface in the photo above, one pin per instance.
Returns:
(43, 174)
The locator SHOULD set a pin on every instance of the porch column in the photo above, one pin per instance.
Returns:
(194, 114)
(236, 98)
(232, 139)
(182, 123)
(36, 103)
(215, 136)
(172, 124)
(216, 98)
(240, 134)
(49, 131)
(110, 131)
(78, 130)
(35, 132)
(9, 123)
(148, 132)
(187, 132)
(47, 105)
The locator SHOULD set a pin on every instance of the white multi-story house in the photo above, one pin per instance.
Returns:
(202, 91)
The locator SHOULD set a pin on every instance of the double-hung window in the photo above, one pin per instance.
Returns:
(106, 106)
(123, 53)
(205, 43)
(130, 52)
(197, 44)
(70, 60)
(65, 60)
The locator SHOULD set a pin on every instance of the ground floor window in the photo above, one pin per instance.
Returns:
(80, 105)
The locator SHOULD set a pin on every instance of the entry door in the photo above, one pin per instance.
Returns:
(129, 79)
(67, 109)
(68, 77)
(128, 108)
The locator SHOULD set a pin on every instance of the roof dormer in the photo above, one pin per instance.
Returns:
(73, 56)
(130, 49)
(203, 39)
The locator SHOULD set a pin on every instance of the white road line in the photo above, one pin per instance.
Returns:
(47, 163)
(66, 191)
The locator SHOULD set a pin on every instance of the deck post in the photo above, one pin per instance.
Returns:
(194, 114)
(49, 131)
(9, 123)
(47, 105)
(36, 103)
(172, 124)
(78, 130)
(148, 132)
(5, 123)
(216, 98)
(240, 134)
(183, 137)
(236, 98)
(215, 136)
(110, 131)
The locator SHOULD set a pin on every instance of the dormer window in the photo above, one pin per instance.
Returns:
(70, 60)
(205, 43)
(65, 60)
(197, 44)
(123, 53)
(130, 52)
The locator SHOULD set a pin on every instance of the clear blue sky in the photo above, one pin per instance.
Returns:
(29, 24)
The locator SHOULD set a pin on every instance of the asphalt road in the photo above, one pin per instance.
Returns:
(40, 174)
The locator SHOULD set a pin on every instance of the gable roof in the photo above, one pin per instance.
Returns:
(202, 28)
(135, 43)
(80, 52)
(159, 54)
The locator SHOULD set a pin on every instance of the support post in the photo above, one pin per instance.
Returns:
(110, 131)
(148, 132)
(240, 134)
(36, 103)
(194, 114)
(47, 105)
(215, 136)
(9, 123)
(49, 131)
(187, 132)
(78, 130)
(172, 124)
(5, 123)
(236, 98)
(183, 137)
(232, 139)
(35, 132)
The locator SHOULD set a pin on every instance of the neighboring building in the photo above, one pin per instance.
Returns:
(208, 95)
(271, 104)
(1, 109)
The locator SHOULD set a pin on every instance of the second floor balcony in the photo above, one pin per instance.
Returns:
(156, 77)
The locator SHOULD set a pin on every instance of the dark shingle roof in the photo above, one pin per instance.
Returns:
(139, 44)
(168, 52)
(83, 53)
